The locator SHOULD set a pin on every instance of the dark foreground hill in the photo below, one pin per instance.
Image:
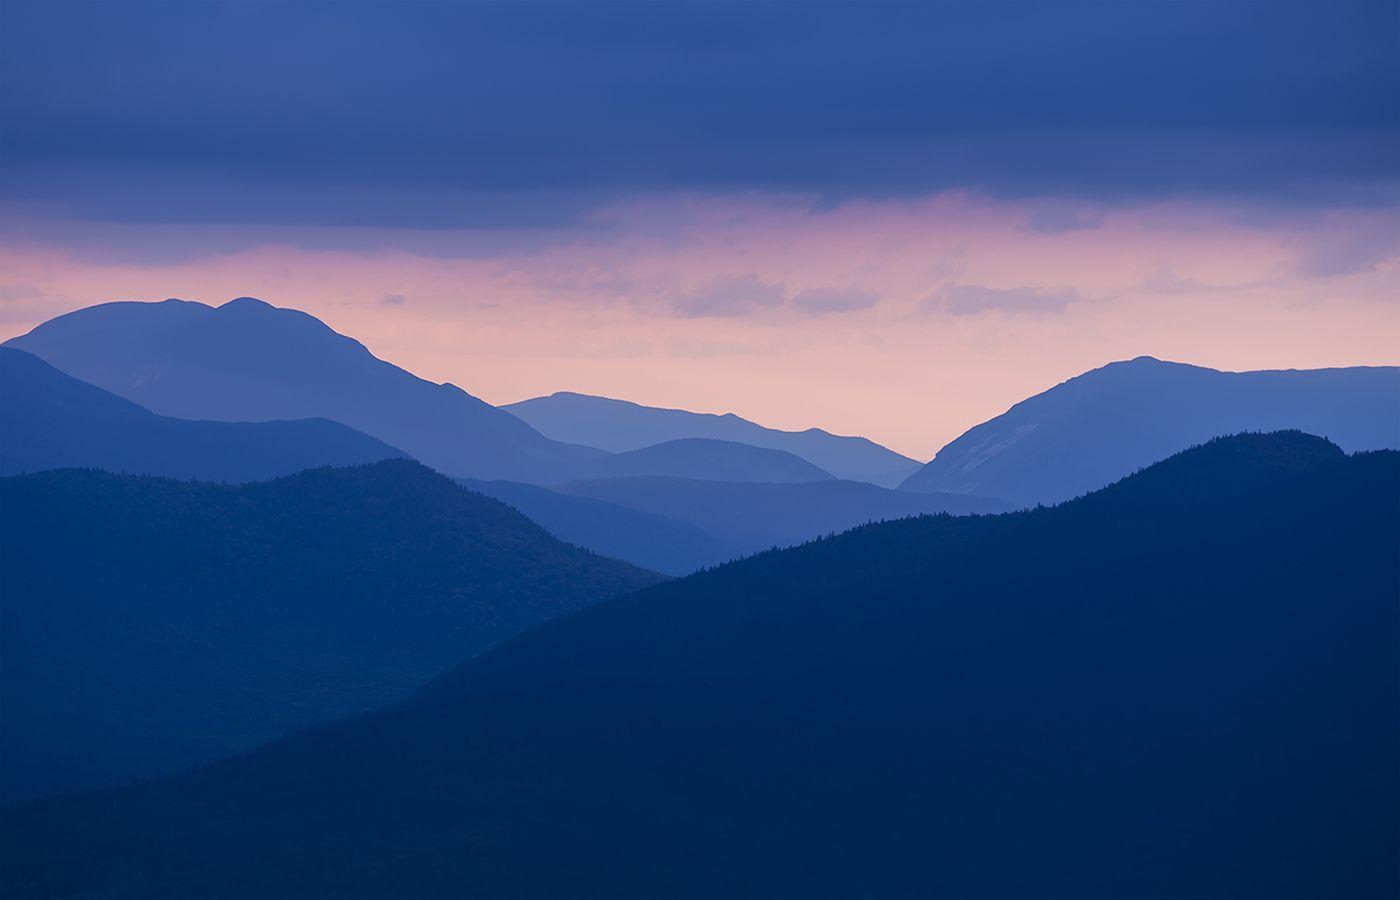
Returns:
(1183, 685)
(752, 517)
(1105, 424)
(620, 426)
(148, 624)
(249, 361)
(50, 420)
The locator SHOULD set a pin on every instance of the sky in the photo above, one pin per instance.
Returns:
(886, 219)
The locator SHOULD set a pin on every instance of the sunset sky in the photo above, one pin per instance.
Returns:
(808, 213)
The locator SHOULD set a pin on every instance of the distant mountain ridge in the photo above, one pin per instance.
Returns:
(1181, 685)
(679, 525)
(657, 542)
(754, 517)
(707, 459)
(148, 624)
(50, 420)
(249, 361)
(620, 426)
(1109, 422)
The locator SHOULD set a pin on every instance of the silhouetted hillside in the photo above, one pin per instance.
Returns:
(148, 624)
(1184, 685)
(49, 420)
(755, 517)
(248, 361)
(650, 541)
(707, 460)
(1107, 423)
(619, 426)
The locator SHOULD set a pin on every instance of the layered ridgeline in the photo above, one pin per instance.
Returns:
(1183, 685)
(620, 426)
(1112, 421)
(658, 542)
(752, 517)
(248, 361)
(49, 420)
(708, 460)
(147, 624)
(679, 525)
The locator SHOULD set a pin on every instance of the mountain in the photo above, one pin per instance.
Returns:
(49, 420)
(619, 426)
(1107, 423)
(653, 542)
(1182, 685)
(148, 624)
(756, 517)
(248, 361)
(706, 459)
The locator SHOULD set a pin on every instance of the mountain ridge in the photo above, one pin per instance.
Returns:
(247, 360)
(1183, 684)
(622, 425)
(50, 420)
(1100, 425)
(149, 624)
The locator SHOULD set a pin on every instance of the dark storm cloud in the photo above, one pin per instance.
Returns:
(445, 114)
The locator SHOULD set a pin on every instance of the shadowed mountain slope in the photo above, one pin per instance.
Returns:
(248, 361)
(1182, 685)
(1107, 423)
(707, 460)
(50, 420)
(653, 542)
(149, 624)
(619, 426)
(761, 516)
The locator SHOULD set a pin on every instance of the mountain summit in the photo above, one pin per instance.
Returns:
(1107, 423)
(250, 361)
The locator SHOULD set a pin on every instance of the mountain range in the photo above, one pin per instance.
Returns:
(1181, 685)
(149, 624)
(1107, 423)
(679, 525)
(657, 542)
(249, 361)
(620, 426)
(49, 420)
(707, 459)
(753, 517)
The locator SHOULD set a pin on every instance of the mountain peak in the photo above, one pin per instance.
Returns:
(1098, 427)
(247, 303)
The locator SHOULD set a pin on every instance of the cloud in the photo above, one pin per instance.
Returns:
(729, 297)
(834, 300)
(19, 291)
(1339, 252)
(1057, 220)
(392, 300)
(1166, 281)
(131, 117)
(971, 299)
